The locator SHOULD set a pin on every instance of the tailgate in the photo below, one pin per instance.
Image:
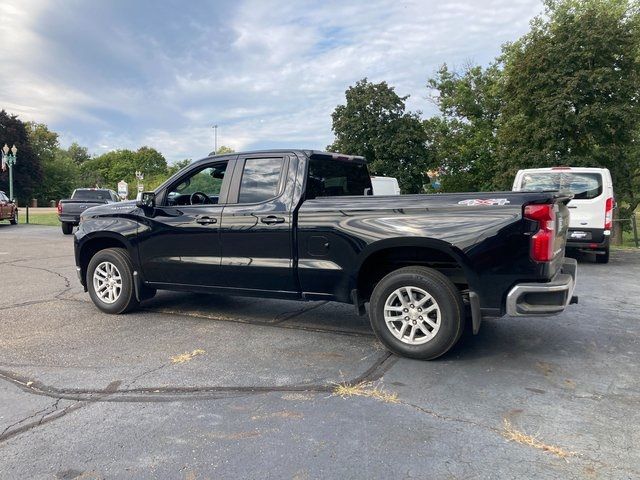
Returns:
(76, 207)
(562, 231)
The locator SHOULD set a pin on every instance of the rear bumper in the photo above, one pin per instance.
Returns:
(544, 298)
(588, 239)
(75, 219)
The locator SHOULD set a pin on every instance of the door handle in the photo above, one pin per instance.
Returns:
(206, 220)
(271, 219)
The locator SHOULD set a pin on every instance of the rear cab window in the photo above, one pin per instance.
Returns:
(334, 178)
(91, 195)
(584, 186)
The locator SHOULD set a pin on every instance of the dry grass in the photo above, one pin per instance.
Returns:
(187, 356)
(364, 389)
(510, 433)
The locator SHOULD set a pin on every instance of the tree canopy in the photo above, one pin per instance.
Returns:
(572, 92)
(27, 172)
(111, 167)
(374, 123)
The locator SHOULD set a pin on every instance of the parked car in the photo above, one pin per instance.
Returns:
(82, 198)
(385, 186)
(302, 225)
(8, 209)
(591, 207)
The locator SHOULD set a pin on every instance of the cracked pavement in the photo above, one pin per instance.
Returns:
(88, 395)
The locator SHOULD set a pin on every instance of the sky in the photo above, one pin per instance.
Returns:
(113, 74)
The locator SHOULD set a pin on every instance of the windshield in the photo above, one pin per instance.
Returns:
(582, 185)
(91, 195)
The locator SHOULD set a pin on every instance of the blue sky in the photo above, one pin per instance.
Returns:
(122, 74)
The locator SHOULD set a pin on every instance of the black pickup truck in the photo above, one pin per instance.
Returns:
(300, 224)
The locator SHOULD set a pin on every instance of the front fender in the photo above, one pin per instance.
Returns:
(99, 233)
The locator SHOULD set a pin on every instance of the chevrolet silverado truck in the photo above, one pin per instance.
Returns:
(82, 198)
(302, 225)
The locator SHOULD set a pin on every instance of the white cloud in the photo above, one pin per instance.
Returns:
(120, 75)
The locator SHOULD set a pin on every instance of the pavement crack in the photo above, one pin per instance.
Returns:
(66, 280)
(168, 394)
(276, 324)
(288, 316)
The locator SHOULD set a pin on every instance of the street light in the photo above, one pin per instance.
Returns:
(9, 159)
(215, 139)
(140, 177)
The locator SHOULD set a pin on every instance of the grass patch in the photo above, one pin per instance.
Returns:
(364, 389)
(511, 434)
(39, 218)
(627, 239)
(187, 356)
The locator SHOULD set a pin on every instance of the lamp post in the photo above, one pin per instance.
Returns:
(9, 159)
(215, 139)
(140, 177)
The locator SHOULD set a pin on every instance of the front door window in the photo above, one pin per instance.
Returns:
(202, 187)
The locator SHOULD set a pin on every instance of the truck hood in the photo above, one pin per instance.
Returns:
(111, 209)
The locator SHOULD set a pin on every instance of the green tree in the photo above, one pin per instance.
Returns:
(108, 169)
(374, 123)
(78, 154)
(462, 140)
(44, 142)
(572, 93)
(177, 166)
(27, 173)
(59, 171)
(222, 150)
(60, 177)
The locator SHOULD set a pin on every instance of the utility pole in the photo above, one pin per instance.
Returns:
(215, 139)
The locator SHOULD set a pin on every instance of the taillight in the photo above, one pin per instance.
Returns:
(608, 214)
(542, 241)
(59, 208)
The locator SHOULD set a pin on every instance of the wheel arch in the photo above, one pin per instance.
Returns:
(93, 243)
(381, 258)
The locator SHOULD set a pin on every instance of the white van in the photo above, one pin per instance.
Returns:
(591, 208)
(385, 186)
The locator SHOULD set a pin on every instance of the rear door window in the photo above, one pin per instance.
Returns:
(260, 179)
(584, 186)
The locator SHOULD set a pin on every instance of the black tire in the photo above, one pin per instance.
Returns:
(67, 228)
(603, 257)
(443, 292)
(14, 220)
(126, 301)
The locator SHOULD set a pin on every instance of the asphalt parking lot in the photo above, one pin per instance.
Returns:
(197, 386)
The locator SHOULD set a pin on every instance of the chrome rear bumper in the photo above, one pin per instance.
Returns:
(544, 298)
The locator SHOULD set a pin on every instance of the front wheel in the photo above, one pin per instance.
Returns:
(14, 220)
(67, 228)
(417, 312)
(110, 281)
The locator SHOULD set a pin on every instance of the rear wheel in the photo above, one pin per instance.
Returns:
(14, 220)
(603, 257)
(417, 312)
(67, 228)
(110, 281)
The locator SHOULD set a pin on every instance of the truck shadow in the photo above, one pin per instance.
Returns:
(502, 337)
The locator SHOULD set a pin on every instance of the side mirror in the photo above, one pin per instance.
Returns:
(147, 200)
